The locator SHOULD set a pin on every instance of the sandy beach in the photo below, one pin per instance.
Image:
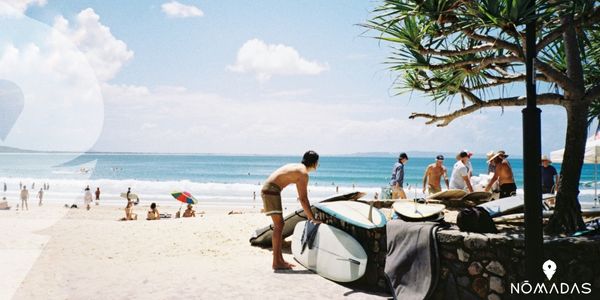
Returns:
(51, 252)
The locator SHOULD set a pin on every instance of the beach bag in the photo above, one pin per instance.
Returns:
(475, 219)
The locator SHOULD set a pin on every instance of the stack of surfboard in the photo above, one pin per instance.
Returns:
(460, 198)
(337, 255)
(413, 211)
(262, 237)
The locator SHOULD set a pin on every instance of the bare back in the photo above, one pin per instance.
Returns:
(288, 174)
(504, 172)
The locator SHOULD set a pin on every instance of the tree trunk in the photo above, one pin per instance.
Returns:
(567, 213)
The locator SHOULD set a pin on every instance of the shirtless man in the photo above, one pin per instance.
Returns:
(503, 174)
(271, 195)
(433, 174)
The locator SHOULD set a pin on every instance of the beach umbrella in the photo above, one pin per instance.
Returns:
(592, 156)
(184, 197)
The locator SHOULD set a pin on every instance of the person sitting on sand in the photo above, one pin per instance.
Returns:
(189, 212)
(129, 215)
(153, 213)
(504, 175)
(271, 194)
(433, 174)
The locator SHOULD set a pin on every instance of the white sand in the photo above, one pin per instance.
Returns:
(51, 252)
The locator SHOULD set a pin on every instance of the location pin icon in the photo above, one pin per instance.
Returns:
(11, 106)
(549, 268)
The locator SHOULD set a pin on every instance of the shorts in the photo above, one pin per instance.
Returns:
(507, 190)
(271, 196)
(433, 190)
(396, 191)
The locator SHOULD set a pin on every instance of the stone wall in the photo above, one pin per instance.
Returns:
(482, 266)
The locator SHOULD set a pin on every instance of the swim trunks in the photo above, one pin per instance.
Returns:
(508, 189)
(432, 189)
(271, 196)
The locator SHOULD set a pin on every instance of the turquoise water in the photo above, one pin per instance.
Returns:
(333, 170)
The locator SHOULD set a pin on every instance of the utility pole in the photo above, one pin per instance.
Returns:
(534, 239)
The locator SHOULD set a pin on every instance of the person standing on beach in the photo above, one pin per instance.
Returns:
(433, 174)
(460, 173)
(549, 174)
(503, 174)
(97, 195)
(397, 180)
(271, 194)
(40, 195)
(5, 187)
(87, 198)
(24, 198)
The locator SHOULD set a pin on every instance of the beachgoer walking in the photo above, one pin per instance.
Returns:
(5, 187)
(24, 198)
(433, 174)
(20, 185)
(33, 186)
(271, 194)
(460, 173)
(87, 198)
(40, 196)
(397, 180)
(97, 195)
(504, 174)
(549, 175)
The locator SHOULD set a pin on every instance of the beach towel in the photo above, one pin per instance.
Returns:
(308, 235)
(412, 264)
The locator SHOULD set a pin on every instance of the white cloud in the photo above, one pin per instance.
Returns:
(177, 10)
(105, 52)
(266, 60)
(62, 103)
(16, 8)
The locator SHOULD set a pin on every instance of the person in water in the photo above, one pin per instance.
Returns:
(271, 194)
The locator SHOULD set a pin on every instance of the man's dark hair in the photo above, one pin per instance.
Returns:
(310, 158)
(402, 156)
(153, 205)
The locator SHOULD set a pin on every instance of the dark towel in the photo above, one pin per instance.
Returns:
(309, 234)
(411, 265)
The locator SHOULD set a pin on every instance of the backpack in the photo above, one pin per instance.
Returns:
(475, 219)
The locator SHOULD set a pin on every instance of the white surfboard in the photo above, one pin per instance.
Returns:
(503, 206)
(417, 210)
(132, 196)
(355, 213)
(335, 254)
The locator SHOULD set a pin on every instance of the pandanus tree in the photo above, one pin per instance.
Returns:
(475, 51)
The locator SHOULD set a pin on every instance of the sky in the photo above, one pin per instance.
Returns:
(231, 77)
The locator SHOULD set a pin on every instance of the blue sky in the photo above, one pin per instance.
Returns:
(251, 77)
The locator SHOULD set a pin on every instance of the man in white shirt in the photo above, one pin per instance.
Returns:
(460, 173)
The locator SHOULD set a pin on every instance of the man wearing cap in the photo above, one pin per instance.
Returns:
(503, 174)
(549, 174)
(433, 174)
(460, 173)
(398, 177)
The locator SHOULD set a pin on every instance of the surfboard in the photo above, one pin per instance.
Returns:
(355, 213)
(448, 195)
(478, 196)
(263, 236)
(416, 210)
(335, 254)
(503, 206)
(132, 196)
(348, 196)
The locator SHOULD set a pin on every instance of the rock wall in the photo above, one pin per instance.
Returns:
(483, 266)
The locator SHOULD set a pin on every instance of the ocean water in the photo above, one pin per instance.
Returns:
(215, 178)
